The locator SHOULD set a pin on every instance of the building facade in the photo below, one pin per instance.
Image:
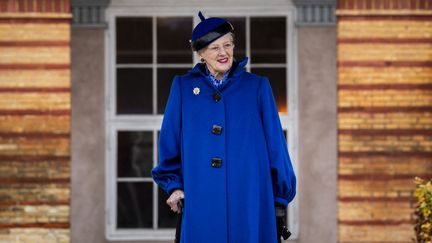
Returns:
(35, 74)
(384, 116)
(84, 84)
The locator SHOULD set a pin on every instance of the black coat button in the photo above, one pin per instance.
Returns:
(217, 129)
(217, 97)
(216, 162)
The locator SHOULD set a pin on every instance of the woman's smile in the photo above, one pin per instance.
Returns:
(223, 60)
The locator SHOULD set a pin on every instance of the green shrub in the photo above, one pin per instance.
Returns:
(423, 212)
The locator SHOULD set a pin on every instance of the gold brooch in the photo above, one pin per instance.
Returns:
(196, 91)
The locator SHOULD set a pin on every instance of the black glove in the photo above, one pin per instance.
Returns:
(281, 229)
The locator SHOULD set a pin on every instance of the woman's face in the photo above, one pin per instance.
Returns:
(218, 55)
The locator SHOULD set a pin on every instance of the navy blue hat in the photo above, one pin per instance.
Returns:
(208, 30)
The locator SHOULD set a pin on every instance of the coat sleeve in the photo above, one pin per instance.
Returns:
(283, 177)
(168, 173)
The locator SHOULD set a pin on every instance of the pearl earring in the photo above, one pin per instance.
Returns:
(202, 59)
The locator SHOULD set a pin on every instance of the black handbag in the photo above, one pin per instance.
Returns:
(281, 228)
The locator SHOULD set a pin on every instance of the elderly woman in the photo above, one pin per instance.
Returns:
(222, 147)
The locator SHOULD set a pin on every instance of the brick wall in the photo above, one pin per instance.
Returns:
(384, 115)
(34, 120)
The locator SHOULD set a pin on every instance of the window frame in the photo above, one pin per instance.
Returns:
(152, 122)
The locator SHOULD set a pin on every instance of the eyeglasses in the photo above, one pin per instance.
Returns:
(216, 49)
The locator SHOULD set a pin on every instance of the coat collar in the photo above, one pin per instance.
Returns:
(236, 69)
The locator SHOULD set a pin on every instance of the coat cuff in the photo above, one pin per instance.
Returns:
(281, 201)
(174, 185)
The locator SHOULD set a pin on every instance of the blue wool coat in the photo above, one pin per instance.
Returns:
(226, 149)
